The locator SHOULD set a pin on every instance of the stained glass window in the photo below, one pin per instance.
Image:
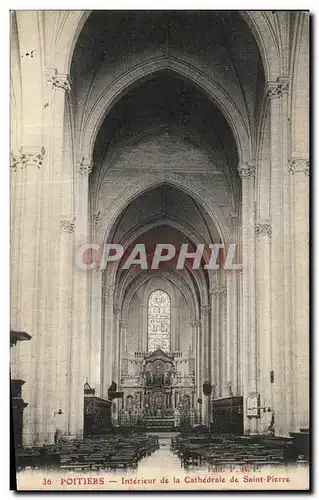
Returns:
(159, 321)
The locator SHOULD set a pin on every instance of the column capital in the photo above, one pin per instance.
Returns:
(275, 89)
(59, 80)
(27, 156)
(263, 227)
(298, 166)
(85, 167)
(123, 323)
(246, 170)
(231, 272)
(205, 310)
(97, 216)
(117, 311)
(196, 323)
(67, 226)
(218, 292)
(108, 290)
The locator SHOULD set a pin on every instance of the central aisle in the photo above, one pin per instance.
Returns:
(161, 460)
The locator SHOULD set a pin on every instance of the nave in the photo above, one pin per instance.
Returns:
(164, 130)
(145, 453)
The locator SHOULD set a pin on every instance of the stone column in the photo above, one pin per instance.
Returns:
(215, 339)
(25, 293)
(249, 343)
(116, 376)
(123, 346)
(28, 167)
(55, 207)
(229, 337)
(116, 345)
(197, 326)
(193, 337)
(287, 259)
(205, 343)
(107, 340)
(142, 334)
(240, 332)
(263, 232)
(232, 331)
(299, 169)
(65, 323)
(79, 344)
(205, 359)
(96, 329)
(275, 92)
(176, 343)
(223, 343)
(123, 335)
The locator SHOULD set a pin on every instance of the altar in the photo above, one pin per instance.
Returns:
(157, 374)
(159, 393)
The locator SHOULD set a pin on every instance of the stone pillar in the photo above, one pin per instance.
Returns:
(123, 335)
(299, 169)
(205, 359)
(29, 170)
(107, 338)
(45, 236)
(193, 337)
(26, 291)
(116, 345)
(116, 376)
(215, 339)
(65, 323)
(240, 333)
(275, 92)
(142, 334)
(263, 232)
(223, 343)
(197, 326)
(228, 355)
(287, 260)
(55, 206)
(232, 331)
(123, 346)
(96, 330)
(79, 344)
(205, 343)
(249, 341)
(176, 342)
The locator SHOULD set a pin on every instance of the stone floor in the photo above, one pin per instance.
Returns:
(162, 459)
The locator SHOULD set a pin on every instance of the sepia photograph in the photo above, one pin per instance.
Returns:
(159, 250)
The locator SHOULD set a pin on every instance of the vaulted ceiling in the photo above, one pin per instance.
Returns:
(218, 44)
(165, 121)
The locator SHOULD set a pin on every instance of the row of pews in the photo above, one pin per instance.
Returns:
(104, 452)
(218, 450)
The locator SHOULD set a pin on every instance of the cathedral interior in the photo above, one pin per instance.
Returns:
(150, 127)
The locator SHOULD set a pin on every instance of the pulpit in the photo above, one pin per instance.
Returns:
(228, 415)
(18, 405)
(97, 413)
